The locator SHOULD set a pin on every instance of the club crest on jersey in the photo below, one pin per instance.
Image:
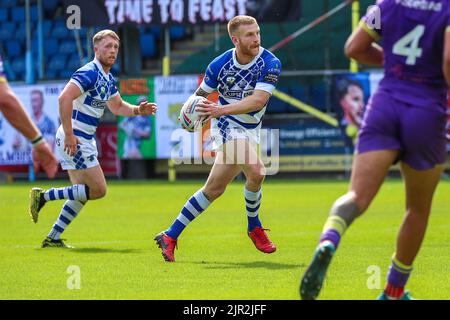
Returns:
(230, 81)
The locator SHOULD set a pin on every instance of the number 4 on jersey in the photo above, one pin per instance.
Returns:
(408, 45)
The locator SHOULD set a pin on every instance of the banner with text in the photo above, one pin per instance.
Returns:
(166, 12)
(308, 144)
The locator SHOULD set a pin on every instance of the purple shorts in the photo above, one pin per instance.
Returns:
(416, 131)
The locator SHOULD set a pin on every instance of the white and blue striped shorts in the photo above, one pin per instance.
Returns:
(223, 133)
(85, 157)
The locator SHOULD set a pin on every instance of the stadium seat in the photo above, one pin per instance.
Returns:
(7, 30)
(156, 31)
(21, 32)
(11, 76)
(18, 14)
(67, 46)
(50, 46)
(49, 6)
(60, 30)
(51, 74)
(83, 33)
(142, 29)
(73, 63)
(57, 62)
(66, 74)
(9, 3)
(148, 45)
(4, 16)
(46, 28)
(18, 65)
(34, 13)
(13, 48)
(177, 32)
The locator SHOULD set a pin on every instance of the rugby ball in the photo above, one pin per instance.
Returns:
(189, 118)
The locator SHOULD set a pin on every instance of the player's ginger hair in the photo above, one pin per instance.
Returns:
(238, 21)
(99, 36)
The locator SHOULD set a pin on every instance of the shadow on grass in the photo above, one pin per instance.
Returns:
(250, 265)
(103, 250)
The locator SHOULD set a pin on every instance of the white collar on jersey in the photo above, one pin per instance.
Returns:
(99, 65)
(248, 65)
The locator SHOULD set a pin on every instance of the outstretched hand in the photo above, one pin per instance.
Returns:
(43, 157)
(147, 108)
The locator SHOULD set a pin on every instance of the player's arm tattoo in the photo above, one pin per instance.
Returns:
(202, 93)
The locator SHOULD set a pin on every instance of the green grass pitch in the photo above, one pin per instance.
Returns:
(117, 258)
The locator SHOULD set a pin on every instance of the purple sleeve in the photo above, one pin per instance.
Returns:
(372, 21)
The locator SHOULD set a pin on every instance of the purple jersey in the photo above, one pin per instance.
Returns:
(412, 36)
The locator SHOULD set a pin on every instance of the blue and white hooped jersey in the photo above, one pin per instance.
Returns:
(97, 88)
(235, 81)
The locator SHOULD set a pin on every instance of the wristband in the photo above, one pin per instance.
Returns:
(37, 141)
(136, 111)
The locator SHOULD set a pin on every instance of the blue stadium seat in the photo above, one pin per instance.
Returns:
(34, 13)
(67, 46)
(18, 14)
(57, 62)
(13, 48)
(11, 76)
(18, 65)
(177, 32)
(49, 6)
(35, 49)
(46, 28)
(21, 32)
(148, 45)
(156, 31)
(4, 16)
(66, 74)
(142, 29)
(60, 30)
(82, 32)
(8, 3)
(51, 74)
(7, 30)
(73, 63)
(50, 46)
